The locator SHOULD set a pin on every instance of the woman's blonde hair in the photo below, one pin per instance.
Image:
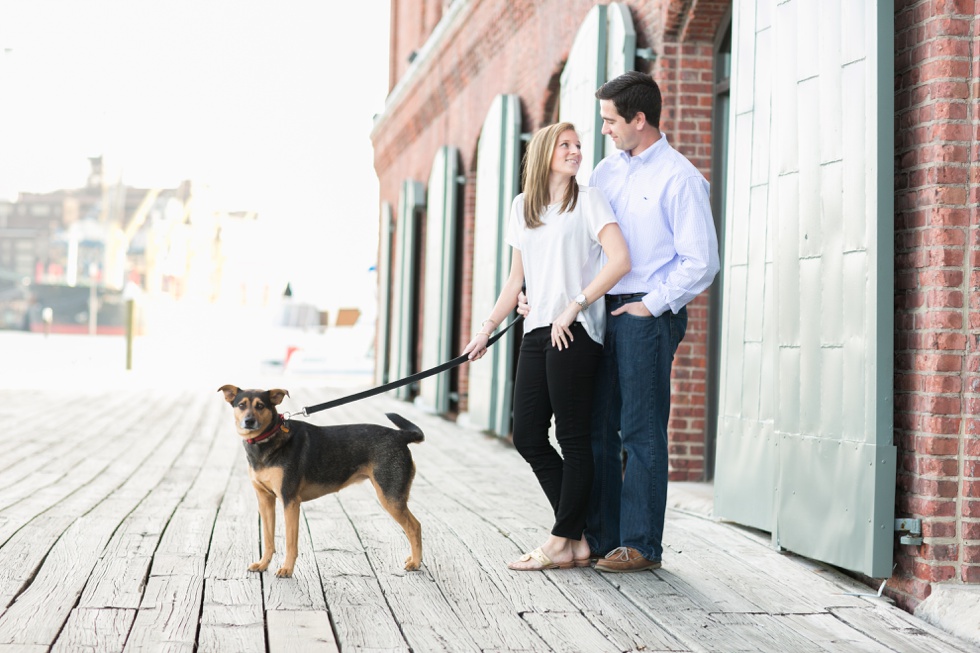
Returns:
(537, 169)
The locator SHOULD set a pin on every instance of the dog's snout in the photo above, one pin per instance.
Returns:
(250, 423)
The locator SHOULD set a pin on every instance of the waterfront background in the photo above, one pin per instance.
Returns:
(196, 346)
(200, 156)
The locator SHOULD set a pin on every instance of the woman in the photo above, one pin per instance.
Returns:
(559, 232)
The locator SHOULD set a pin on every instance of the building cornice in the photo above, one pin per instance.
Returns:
(446, 27)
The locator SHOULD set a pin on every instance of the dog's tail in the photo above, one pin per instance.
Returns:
(411, 431)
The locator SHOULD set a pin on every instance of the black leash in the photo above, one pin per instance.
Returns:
(459, 360)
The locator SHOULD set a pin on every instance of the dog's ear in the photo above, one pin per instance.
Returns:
(231, 391)
(276, 396)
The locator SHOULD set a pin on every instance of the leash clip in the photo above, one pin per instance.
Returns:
(302, 413)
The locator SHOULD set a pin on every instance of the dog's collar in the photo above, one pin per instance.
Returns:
(272, 430)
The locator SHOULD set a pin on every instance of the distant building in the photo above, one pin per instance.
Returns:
(63, 236)
(169, 242)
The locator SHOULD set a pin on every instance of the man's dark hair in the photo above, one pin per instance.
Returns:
(633, 92)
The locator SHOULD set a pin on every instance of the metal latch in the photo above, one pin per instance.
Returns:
(913, 528)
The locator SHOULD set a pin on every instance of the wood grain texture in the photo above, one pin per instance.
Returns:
(133, 531)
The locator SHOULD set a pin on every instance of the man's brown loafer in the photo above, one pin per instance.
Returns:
(624, 559)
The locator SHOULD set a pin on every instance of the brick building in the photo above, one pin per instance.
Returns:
(828, 383)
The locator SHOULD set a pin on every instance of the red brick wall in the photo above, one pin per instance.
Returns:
(411, 23)
(466, 307)
(519, 46)
(684, 68)
(937, 306)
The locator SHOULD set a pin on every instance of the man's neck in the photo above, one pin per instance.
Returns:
(647, 141)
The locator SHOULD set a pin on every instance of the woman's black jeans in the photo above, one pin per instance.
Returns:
(560, 383)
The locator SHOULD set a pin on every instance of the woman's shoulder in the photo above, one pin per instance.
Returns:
(593, 193)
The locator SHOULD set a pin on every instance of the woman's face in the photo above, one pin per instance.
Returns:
(567, 156)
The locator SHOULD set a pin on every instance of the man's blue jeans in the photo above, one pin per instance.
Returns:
(630, 414)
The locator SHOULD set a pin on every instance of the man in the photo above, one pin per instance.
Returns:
(662, 204)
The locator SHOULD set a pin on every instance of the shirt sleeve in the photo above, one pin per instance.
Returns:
(600, 212)
(696, 263)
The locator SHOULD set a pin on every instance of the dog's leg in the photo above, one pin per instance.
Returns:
(398, 508)
(267, 511)
(291, 516)
(413, 530)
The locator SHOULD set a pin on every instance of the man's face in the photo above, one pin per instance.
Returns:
(624, 134)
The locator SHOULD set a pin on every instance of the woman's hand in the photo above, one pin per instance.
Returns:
(523, 308)
(561, 333)
(477, 346)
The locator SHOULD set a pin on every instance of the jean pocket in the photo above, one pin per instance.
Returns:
(644, 318)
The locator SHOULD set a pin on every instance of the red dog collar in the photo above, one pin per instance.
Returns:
(269, 433)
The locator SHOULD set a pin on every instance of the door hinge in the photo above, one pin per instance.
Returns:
(912, 529)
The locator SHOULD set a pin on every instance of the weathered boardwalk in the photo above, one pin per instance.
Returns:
(127, 522)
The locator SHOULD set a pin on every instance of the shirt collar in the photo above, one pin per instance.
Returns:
(648, 154)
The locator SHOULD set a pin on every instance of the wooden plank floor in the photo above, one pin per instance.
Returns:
(127, 522)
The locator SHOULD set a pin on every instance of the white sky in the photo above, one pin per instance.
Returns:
(270, 103)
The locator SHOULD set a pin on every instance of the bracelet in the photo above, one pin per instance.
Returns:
(482, 333)
(490, 321)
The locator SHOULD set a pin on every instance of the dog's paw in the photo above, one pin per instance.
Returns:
(284, 572)
(411, 564)
(258, 566)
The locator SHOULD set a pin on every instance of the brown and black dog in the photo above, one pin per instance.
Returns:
(297, 461)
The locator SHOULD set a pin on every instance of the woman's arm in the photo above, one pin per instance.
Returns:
(617, 265)
(617, 262)
(506, 302)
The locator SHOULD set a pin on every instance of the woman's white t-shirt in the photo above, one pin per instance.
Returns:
(561, 257)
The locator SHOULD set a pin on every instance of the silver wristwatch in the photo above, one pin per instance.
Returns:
(581, 301)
